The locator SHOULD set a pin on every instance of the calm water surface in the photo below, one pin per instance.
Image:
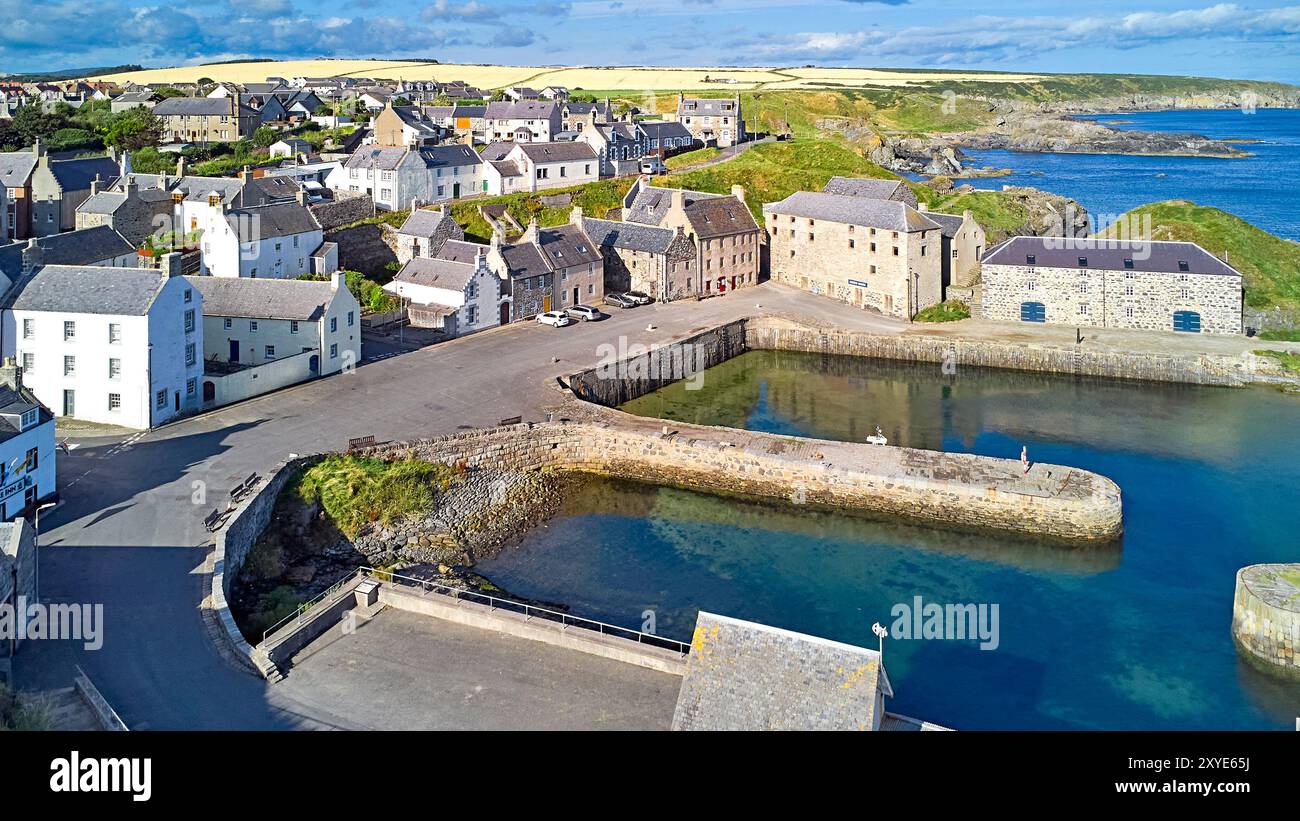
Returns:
(1129, 635)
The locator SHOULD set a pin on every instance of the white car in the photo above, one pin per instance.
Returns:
(584, 312)
(556, 318)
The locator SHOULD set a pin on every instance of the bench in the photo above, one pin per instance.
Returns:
(361, 442)
(213, 520)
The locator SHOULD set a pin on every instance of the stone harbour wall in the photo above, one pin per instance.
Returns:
(1266, 617)
(1204, 369)
(957, 489)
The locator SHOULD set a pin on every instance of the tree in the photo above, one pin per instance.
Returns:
(264, 136)
(401, 101)
(133, 130)
(498, 96)
(152, 161)
(167, 91)
(31, 123)
(9, 140)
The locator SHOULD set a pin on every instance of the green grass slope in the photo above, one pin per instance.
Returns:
(1269, 264)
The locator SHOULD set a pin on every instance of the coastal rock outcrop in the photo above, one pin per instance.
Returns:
(1024, 131)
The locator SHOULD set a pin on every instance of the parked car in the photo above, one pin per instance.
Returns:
(584, 312)
(555, 318)
(619, 301)
(653, 165)
(639, 297)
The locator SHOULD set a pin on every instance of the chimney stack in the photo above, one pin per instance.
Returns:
(336, 281)
(11, 376)
(738, 191)
(94, 186)
(180, 167)
(33, 256)
(920, 206)
(171, 264)
(575, 216)
(495, 243)
(530, 233)
(301, 196)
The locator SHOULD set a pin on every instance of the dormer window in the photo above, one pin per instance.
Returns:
(29, 418)
(1183, 266)
(1083, 262)
(1031, 259)
(1128, 263)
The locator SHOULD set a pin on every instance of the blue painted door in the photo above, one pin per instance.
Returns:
(1187, 321)
(1033, 312)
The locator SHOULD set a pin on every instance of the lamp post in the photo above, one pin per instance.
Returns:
(36, 548)
(880, 632)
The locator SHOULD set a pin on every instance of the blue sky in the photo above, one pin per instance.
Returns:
(1249, 40)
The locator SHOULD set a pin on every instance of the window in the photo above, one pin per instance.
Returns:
(227, 323)
(334, 324)
(69, 366)
(29, 418)
(160, 399)
(895, 250)
(270, 352)
(923, 250)
(114, 333)
(189, 295)
(1183, 266)
(190, 356)
(473, 288)
(1083, 309)
(1128, 263)
(1031, 259)
(1128, 311)
(1083, 287)
(29, 328)
(293, 327)
(69, 330)
(471, 316)
(334, 351)
(114, 368)
(115, 402)
(189, 321)
(252, 325)
(32, 460)
(191, 385)
(29, 362)
(1083, 262)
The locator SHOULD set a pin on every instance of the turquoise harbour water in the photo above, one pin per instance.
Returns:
(1129, 635)
(1259, 188)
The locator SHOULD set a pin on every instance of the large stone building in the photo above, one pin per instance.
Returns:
(712, 120)
(876, 254)
(659, 262)
(728, 242)
(872, 189)
(1098, 283)
(204, 120)
(963, 244)
(528, 121)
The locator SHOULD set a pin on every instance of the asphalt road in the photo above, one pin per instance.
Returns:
(128, 533)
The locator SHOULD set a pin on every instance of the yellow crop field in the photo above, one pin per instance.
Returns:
(626, 78)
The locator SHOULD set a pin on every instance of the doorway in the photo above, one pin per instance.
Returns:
(505, 313)
(234, 350)
(69, 403)
(575, 296)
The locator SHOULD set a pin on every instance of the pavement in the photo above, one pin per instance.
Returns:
(406, 671)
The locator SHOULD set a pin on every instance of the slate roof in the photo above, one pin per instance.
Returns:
(262, 190)
(858, 187)
(557, 152)
(280, 219)
(1154, 256)
(889, 215)
(496, 151)
(458, 250)
(746, 676)
(79, 289)
(15, 403)
(525, 110)
(294, 299)
(474, 112)
(949, 224)
(16, 168)
(524, 259)
(11, 260)
(76, 175)
(451, 154)
(611, 234)
(84, 247)
(383, 159)
(436, 273)
(135, 97)
(708, 106)
(710, 215)
(566, 245)
(508, 169)
(423, 223)
(193, 107)
(663, 130)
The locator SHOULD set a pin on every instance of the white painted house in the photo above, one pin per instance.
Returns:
(26, 445)
(395, 176)
(514, 167)
(119, 346)
(264, 334)
(458, 297)
(274, 241)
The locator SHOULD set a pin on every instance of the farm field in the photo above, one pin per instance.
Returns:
(613, 78)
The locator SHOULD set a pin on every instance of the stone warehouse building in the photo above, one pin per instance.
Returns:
(206, 120)
(711, 120)
(728, 241)
(1098, 283)
(874, 254)
(659, 262)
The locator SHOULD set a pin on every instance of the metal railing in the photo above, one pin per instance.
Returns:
(299, 615)
(533, 611)
(493, 602)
